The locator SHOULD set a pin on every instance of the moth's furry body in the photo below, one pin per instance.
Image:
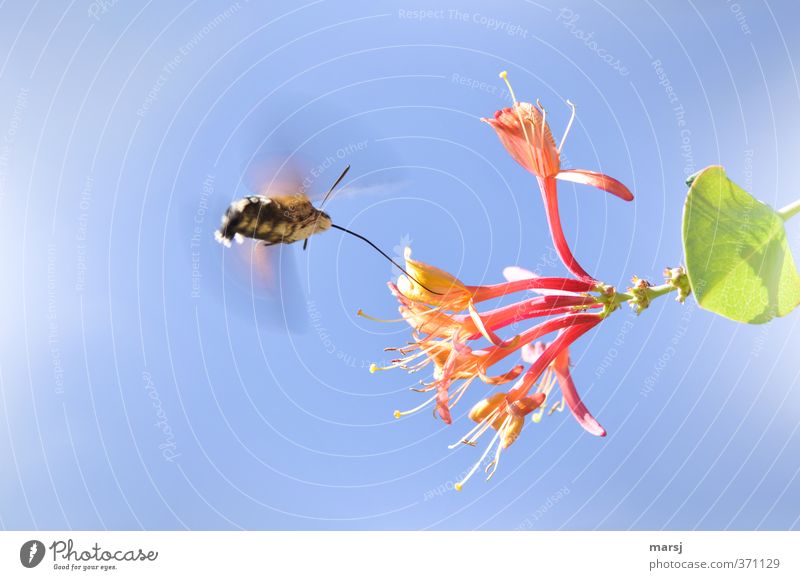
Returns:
(277, 219)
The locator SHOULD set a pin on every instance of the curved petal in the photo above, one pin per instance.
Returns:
(442, 404)
(570, 328)
(575, 404)
(506, 377)
(481, 327)
(599, 180)
(560, 366)
(443, 382)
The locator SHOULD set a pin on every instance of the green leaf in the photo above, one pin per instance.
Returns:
(737, 258)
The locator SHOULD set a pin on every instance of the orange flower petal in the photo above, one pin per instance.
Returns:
(599, 180)
(524, 133)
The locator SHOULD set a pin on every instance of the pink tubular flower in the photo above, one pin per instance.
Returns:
(572, 327)
(524, 132)
(433, 322)
(443, 333)
(505, 412)
(557, 374)
(452, 294)
(441, 338)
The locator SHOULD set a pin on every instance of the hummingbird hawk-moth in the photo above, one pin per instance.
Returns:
(275, 219)
(284, 219)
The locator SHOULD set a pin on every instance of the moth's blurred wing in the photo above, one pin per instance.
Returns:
(360, 188)
(269, 276)
(273, 175)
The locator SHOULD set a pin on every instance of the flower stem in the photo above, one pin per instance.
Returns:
(661, 290)
(642, 293)
(789, 210)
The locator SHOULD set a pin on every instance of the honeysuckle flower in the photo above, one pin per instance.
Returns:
(572, 327)
(505, 412)
(443, 311)
(506, 417)
(449, 293)
(463, 363)
(454, 360)
(429, 285)
(524, 132)
(443, 332)
(435, 323)
(558, 374)
(453, 294)
(530, 352)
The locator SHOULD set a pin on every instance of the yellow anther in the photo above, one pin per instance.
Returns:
(504, 76)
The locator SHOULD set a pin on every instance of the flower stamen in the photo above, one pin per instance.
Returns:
(458, 486)
(398, 414)
(504, 76)
(569, 126)
(363, 314)
(459, 392)
(492, 467)
(546, 385)
(472, 436)
(544, 150)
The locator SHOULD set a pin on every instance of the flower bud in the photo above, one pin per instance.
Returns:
(527, 405)
(483, 408)
(450, 292)
(511, 432)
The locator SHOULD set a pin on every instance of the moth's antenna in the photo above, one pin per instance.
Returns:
(324, 199)
(335, 183)
(385, 255)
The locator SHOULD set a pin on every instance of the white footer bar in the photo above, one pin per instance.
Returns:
(416, 555)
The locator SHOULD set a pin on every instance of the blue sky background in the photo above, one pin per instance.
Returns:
(112, 121)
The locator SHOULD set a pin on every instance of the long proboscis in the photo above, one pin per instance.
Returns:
(385, 255)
